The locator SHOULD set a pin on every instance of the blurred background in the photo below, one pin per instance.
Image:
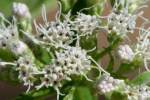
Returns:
(7, 91)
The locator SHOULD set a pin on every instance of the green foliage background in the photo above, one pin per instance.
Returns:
(34, 5)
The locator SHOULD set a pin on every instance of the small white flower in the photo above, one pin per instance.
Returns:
(125, 52)
(9, 34)
(144, 93)
(9, 38)
(86, 24)
(121, 22)
(20, 10)
(55, 33)
(27, 71)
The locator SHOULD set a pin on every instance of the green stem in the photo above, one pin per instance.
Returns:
(111, 47)
(111, 63)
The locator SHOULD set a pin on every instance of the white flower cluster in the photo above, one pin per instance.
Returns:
(137, 92)
(139, 51)
(125, 52)
(108, 84)
(144, 93)
(9, 38)
(27, 71)
(121, 22)
(8, 35)
(72, 61)
(68, 60)
(55, 33)
(86, 24)
(20, 10)
(131, 92)
(59, 33)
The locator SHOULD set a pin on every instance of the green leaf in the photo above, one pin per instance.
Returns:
(39, 52)
(116, 95)
(111, 63)
(7, 55)
(82, 93)
(90, 43)
(114, 41)
(128, 67)
(94, 4)
(143, 78)
(36, 94)
(67, 5)
(9, 75)
(70, 95)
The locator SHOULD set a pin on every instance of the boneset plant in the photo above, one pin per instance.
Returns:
(61, 58)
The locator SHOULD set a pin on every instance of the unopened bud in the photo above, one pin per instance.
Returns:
(20, 10)
(125, 52)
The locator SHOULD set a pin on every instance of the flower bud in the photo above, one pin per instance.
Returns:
(18, 48)
(20, 10)
(108, 84)
(125, 52)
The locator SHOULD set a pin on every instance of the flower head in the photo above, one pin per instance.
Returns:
(86, 24)
(121, 22)
(72, 61)
(9, 34)
(56, 33)
(27, 71)
(137, 92)
(144, 93)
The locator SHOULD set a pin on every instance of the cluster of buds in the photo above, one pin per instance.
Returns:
(108, 84)
(20, 10)
(86, 24)
(121, 22)
(126, 53)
